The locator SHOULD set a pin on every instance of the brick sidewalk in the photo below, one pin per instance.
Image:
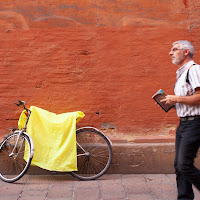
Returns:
(113, 187)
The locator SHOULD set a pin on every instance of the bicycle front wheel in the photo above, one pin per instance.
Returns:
(94, 153)
(13, 165)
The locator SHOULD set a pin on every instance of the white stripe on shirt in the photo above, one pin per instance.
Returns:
(182, 88)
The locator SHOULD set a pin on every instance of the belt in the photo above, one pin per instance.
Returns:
(189, 118)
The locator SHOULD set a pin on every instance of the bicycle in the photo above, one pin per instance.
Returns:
(94, 153)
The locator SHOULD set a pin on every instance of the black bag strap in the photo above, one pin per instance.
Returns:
(187, 77)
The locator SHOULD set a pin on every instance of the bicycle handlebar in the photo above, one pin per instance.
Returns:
(21, 103)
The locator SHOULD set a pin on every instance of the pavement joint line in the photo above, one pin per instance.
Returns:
(122, 181)
(99, 188)
(73, 189)
(49, 186)
(152, 193)
(21, 193)
(171, 180)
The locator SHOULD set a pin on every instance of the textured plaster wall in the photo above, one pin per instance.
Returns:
(106, 58)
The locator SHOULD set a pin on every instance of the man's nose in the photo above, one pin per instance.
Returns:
(171, 53)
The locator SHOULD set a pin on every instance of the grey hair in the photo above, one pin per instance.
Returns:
(186, 45)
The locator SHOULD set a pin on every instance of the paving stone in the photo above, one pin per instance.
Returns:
(39, 179)
(10, 189)
(40, 182)
(141, 197)
(62, 181)
(134, 177)
(137, 188)
(30, 195)
(60, 192)
(89, 194)
(87, 184)
(59, 198)
(9, 197)
(112, 190)
(164, 191)
(172, 178)
(35, 186)
(135, 184)
(157, 178)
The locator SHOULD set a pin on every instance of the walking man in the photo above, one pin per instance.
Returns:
(187, 103)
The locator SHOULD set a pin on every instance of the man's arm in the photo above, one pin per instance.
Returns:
(193, 100)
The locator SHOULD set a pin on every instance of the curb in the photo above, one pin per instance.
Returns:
(146, 139)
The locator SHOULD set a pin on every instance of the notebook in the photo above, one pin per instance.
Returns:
(158, 96)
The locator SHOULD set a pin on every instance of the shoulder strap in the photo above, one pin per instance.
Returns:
(187, 77)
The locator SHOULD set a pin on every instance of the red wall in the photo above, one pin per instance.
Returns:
(105, 58)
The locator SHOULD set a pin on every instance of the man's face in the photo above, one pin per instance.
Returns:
(177, 54)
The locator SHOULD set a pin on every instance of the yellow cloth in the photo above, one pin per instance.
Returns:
(54, 138)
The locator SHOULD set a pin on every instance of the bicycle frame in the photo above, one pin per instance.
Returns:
(20, 132)
(23, 131)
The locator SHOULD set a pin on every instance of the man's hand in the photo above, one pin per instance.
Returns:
(193, 100)
(170, 99)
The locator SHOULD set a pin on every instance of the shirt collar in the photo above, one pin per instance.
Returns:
(180, 71)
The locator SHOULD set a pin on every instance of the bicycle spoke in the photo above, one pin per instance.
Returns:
(94, 148)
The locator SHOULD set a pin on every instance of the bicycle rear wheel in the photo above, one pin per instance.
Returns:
(94, 154)
(13, 166)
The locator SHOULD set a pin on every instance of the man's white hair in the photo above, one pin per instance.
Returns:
(186, 45)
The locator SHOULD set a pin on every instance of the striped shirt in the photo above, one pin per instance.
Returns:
(182, 88)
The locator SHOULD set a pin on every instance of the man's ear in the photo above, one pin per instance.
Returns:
(187, 51)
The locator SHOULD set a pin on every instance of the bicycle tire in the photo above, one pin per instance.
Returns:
(13, 167)
(99, 154)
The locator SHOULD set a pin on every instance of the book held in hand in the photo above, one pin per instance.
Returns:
(158, 96)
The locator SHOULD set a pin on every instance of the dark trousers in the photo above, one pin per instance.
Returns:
(187, 145)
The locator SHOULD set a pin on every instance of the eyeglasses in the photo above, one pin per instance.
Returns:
(176, 49)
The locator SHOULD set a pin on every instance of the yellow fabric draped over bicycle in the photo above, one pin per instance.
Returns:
(54, 138)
